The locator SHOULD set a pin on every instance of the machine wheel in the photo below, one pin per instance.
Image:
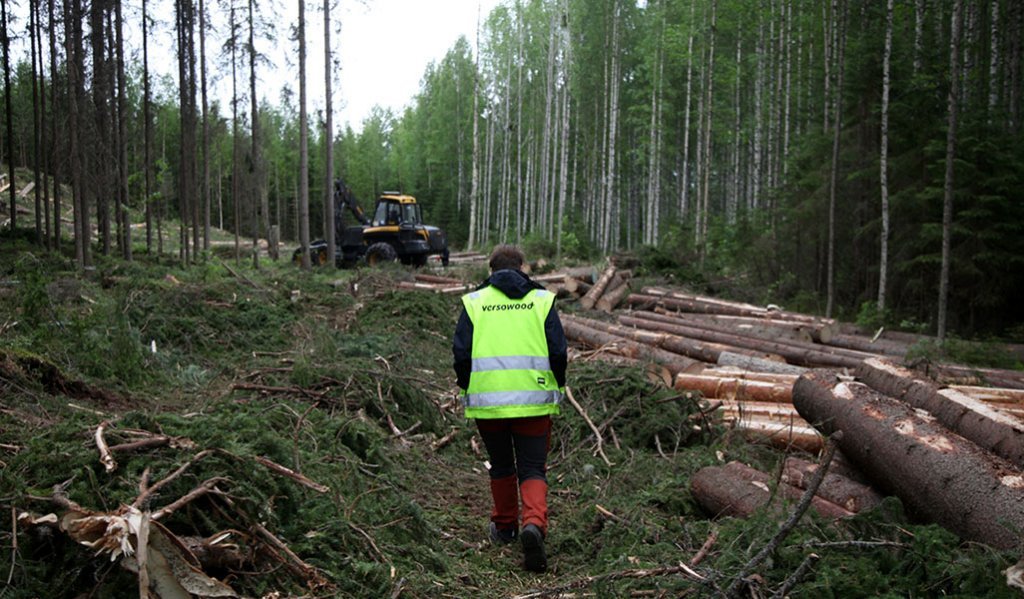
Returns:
(380, 253)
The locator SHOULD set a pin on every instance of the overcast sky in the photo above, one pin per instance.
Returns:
(383, 48)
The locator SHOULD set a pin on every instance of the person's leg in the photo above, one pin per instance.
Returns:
(531, 438)
(497, 438)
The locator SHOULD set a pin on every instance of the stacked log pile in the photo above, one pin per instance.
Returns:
(790, 378)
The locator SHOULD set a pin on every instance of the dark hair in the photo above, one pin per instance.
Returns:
(506, 256)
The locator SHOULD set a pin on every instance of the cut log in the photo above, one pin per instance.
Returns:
(739, 491)
(865, 344)
(993, 394)
(696, 349)
(746, 362)
(835, 487)
(597, 290)
(590, 337)
(765, 328)
(784, 435)
(749, 375)
(995, 431)
(802, 354)
(694, 303)
(735, 389)
(574, 285)
(425, 278)
(968, 375)
(613, 297)
(939, 475)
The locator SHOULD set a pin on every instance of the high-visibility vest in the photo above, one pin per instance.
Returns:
(511, 376)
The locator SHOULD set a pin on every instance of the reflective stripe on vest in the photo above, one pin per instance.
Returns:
(511, 373)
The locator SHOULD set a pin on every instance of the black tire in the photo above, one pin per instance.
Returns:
(380, 253)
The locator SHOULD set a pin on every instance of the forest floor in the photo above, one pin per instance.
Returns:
(209, 376)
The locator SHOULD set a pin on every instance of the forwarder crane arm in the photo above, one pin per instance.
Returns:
(344, 198)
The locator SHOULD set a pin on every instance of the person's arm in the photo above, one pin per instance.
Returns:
(558, 348)
(462, 350)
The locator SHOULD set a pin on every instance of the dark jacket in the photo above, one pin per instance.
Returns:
(515, 285)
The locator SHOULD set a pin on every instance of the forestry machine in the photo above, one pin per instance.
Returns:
(396, 232)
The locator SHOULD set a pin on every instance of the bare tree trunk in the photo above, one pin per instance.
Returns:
(57, 129)
(918, 34)
(836, 135)
(732, 202)
(684, 187)
(704, 213)
(883, 265)
(612, 131)
(259, 197)
(101, 151)
(75, 53)
(303, 143)
(474, 190)
(147, 132)
(125, 239)
(6, 41)
(329, 215)
(235, 170)
(755, 168)
(563, 185)
(37, 125)
(206, 126)
(653, 173)
(993, 59)
(947, 196)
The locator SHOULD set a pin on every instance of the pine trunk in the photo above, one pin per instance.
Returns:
(947, 196)
(834, 179)
(329, 216)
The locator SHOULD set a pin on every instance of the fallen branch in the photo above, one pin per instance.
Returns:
(705, 548)
(796, 576)
(740, 581)
(109, 464)
(204, 488)
(144, 495)
(288, 472)
(445, 440)
(597, 433)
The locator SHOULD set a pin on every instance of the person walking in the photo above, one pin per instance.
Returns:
(510, 357)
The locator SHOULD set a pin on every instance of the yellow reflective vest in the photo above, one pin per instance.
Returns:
(511, 374)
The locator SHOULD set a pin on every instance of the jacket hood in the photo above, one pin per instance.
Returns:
(512, 283)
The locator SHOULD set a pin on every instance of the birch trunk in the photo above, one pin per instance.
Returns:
(706, 185)
(474, 190)
(883, 265)
(684, 187)
(947, 196)
(613, 110)
(563, 183)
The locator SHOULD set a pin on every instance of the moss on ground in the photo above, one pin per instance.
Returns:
(317, 372)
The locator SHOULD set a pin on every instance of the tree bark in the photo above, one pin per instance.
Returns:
(745, 362)
(738, 490)
(970, 418)
(935, 473)
(6, 41)
(206, 126)
(835, 487)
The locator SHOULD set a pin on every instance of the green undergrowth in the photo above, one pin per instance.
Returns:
(343, 378)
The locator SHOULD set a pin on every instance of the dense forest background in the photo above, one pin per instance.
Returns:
(854, 158)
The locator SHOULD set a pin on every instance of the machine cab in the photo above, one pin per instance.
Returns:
(396, 209)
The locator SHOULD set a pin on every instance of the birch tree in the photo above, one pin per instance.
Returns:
(883, 265)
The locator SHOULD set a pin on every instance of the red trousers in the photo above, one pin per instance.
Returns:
(518, 452)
